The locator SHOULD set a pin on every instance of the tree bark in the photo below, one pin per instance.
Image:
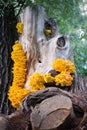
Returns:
(7, 38)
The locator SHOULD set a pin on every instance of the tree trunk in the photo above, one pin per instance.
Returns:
(42, 49)
(51, 108)
(7, 38)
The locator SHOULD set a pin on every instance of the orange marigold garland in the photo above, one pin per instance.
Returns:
(17, 91)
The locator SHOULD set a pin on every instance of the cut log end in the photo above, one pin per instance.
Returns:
(51, 113)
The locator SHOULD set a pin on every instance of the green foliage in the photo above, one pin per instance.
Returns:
(68, 15)
(80, 54)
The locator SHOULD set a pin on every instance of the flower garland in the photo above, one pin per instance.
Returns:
(17, 91)
(63, 65)
(64, 78)
(37, 81)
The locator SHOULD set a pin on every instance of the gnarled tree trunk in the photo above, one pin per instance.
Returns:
(42, 49)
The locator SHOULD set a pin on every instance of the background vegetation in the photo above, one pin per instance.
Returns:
(71, 16)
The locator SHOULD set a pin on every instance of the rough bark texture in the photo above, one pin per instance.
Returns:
(7, 38)
(51, 108)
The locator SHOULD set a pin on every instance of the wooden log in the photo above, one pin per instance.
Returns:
(50, 108)
(78, 100)
(51, 113)
(16, 121)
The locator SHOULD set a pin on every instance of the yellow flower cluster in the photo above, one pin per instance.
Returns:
(17, 92)
(37, 81)
(48, 78)
(20, 27)
(64, 79)
(63, 65)
(16, 95)
(66, 68)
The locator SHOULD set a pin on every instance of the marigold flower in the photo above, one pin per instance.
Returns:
(63, 65)
(16, 94)
(48, 78)
(70, 67)
(20, 27)
(36, 82)
(17, 91)
(64, 79)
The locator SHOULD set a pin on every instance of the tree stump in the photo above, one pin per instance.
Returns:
(50, 108)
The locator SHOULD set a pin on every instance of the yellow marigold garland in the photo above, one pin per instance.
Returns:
(20, 27)
(37, 81)
(17, 92)
(63, 79)
(63, 65)
(48, 78)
